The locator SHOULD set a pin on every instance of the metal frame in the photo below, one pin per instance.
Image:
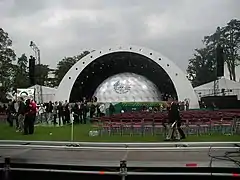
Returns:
(37, 56)
(125, 173)
(112, 144)
(122, 172)
(182, 85)
(52, 147)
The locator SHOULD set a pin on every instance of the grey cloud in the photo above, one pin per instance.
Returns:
(64, 28)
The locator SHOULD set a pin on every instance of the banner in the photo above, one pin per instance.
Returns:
(25, 93)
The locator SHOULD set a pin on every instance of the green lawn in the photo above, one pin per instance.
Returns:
(81, 134)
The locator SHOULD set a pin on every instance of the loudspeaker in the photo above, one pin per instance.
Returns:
(32, 70)
(220, 61)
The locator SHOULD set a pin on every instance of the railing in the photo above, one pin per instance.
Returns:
(122, 171)
(124, 145)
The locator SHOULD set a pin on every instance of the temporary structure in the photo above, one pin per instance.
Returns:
(222, 87)
(48, 93)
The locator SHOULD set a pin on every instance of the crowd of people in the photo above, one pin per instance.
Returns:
(59, 113)
(24, 115)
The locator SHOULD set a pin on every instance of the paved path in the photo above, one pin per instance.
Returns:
(134, 158)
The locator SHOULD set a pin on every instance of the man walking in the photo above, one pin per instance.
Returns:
(175, 121)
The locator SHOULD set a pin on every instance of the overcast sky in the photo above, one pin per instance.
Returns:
(67, 27)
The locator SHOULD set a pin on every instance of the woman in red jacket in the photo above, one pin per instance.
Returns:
(30, 116)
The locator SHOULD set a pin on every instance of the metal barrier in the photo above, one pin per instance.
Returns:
(123, 172)
(123, 169)
(52, 147)
(106, 144)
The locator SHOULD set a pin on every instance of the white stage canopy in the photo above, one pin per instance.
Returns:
(230, 88)
(47, 92)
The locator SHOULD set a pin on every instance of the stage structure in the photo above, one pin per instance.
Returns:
(182, 85)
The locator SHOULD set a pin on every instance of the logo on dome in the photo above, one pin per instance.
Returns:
(121, 88)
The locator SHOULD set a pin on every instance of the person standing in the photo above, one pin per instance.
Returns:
(85, 110)
(15, 114)
(67, 113)
(10, 111)
(27, 117)
(81, 112)
(60, 113)
(30, 116)
(111, 109)
(55, 112)
(49, 111)
(75, 111)
(20, 114)
(92, 109)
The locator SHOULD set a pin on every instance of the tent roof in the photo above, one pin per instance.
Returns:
(45, 89)
(223, 84)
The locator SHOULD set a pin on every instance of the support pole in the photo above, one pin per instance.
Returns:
(123, 169)
(72, 129)
(216, 87)
(6, 169)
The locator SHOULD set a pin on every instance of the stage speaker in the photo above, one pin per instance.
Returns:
(220, 61)
(32, 70)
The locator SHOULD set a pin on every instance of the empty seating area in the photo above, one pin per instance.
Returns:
(198, 122)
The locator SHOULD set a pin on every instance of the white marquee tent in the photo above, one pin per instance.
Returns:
(47, 92)
(230, 88)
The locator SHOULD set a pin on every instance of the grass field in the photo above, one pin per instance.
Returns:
(81, 134)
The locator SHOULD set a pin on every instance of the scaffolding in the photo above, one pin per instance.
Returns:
(36, 50)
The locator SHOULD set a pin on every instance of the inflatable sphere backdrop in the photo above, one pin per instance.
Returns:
(127, 87)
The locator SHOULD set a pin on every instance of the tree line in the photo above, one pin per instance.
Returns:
(202, 66)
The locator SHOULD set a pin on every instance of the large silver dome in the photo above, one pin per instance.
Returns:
(127, 87)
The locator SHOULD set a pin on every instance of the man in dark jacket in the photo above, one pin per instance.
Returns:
(175, 120)
(20, 114)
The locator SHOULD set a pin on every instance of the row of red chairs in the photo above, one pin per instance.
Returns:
(183, 115)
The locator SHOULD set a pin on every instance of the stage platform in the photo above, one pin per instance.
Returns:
(110, 154)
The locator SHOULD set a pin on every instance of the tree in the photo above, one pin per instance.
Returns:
(21, 78)
(229, 38)
(41, 74)
(202, 67)
(7, 56)
(65, 64)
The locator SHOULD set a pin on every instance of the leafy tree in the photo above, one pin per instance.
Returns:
(65, 64)
(7, 56)
(41, 74)
(229, 38)
(21, 79)
(202, 67)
